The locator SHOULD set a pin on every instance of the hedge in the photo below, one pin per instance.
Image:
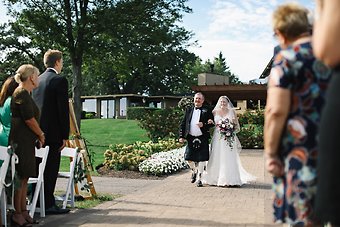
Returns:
(137, 113)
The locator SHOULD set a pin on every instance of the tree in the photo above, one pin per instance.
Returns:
(148, 49)
(217, 66)
(40, 25)
(123, 44)
(220, 67)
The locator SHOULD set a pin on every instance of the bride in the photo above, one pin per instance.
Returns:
(224, 166)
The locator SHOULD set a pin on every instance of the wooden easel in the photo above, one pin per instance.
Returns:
(78, 141)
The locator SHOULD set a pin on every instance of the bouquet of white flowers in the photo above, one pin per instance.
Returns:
(227, 130)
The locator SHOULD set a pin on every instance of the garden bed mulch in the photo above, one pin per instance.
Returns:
(107, 172)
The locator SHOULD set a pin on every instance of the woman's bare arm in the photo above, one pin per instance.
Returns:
(326, 32)
(34, 126)
(276, 112)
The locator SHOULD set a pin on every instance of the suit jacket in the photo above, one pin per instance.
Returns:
(51, 96)
(206, 114)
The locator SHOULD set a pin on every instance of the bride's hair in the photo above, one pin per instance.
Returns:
(230, 106)
(231, 113)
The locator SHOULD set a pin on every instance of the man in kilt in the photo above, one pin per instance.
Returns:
(195, 129)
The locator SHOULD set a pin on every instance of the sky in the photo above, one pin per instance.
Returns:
(240, 29)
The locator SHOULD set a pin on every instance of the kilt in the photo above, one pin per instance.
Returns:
(197, 149)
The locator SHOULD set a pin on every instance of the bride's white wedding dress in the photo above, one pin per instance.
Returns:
(224, 166)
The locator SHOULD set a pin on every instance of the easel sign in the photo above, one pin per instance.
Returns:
(77, 141)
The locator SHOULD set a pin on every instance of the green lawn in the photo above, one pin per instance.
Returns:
(100, 133)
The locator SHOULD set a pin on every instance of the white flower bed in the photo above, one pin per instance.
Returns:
(164, 162)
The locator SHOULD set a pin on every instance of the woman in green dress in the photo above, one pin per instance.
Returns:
(5, 111)
(7, 90)
(24, 132)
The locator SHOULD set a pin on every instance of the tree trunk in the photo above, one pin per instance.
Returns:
(76, 88)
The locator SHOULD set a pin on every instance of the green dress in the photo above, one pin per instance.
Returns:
(21, 137)
(5, 123)
(5, 120)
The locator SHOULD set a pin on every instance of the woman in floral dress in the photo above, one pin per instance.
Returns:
(295, 97)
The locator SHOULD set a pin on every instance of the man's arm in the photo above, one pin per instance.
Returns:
(63, 109)
(182, 127)
(209, 119)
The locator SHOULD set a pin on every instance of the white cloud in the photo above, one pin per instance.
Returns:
(245, 59)
(239, 17)
(3, 11)
(241, 29)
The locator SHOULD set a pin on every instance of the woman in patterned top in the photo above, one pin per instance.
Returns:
(295, 97)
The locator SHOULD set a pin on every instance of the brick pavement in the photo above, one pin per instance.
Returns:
(174, 201)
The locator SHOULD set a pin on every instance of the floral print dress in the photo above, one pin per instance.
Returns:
(296, 69)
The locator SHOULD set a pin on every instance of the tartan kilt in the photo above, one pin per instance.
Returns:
(197, 149)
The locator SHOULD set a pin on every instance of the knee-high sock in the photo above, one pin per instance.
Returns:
(192, 165)
(201, 166)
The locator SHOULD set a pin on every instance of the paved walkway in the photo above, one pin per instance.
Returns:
(174, 201)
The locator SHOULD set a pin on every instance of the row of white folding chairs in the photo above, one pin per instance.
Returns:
(5, 157)
(75, 156)
(39, 181)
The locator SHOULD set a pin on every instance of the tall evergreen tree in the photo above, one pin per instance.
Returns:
(217, 66)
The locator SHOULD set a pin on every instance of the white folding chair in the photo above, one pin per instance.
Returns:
(39, 181)
(5, 157)
(74, 154)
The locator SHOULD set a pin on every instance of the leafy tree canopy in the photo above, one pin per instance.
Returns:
(122, 46)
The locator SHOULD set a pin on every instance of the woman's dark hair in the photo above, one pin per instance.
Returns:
(7, 89)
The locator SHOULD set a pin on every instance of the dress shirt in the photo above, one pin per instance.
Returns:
(54, 70)
(194, 129)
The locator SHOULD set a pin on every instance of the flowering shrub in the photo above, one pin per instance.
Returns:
(136, 113)
(251, 117)
(185, 103)
(164, 163)
(251, 136)
(251, 133)
(122, 156)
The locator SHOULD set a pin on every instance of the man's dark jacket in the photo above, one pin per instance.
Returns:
(206, 114)
(51, 96)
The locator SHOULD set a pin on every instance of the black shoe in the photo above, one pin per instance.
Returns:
(199, 183)
(56, 210)
(193, 177)
(16, 224)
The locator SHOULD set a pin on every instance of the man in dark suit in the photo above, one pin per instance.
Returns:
(195, 129)
(52, 99)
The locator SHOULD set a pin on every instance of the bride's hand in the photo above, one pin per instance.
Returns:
(200, 124)
(210, 121)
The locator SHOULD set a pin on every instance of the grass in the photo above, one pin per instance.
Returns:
(100, 133)
(94, 201)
